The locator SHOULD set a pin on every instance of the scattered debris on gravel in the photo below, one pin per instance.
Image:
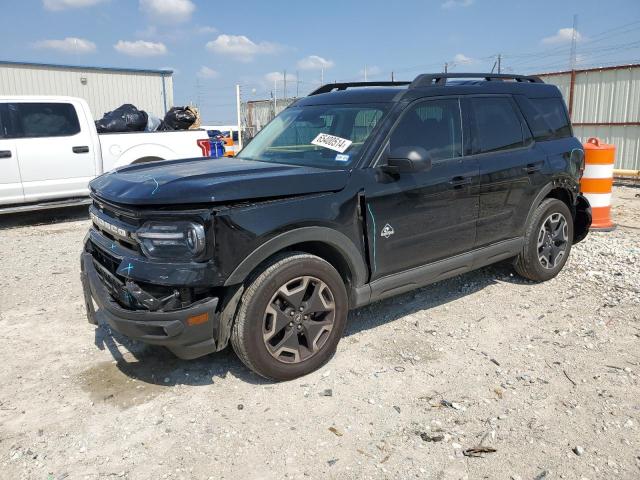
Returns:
(481, 376)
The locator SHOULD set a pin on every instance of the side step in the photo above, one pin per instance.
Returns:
(30, 207)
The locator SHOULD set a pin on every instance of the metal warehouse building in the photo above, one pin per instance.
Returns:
(605, 103)
(103, 88)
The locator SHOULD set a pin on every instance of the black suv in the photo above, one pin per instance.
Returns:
(358, 192)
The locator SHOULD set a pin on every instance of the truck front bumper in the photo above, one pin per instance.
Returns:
(189, 332)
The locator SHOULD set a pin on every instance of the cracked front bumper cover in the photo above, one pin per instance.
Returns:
(169, 329)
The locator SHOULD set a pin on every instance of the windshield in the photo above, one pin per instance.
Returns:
(325, 136)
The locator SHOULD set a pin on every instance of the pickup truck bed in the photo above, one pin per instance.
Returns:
(50, 151)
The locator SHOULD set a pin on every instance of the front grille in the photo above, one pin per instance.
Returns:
(104, 259)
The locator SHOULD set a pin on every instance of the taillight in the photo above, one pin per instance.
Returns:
(205, 146)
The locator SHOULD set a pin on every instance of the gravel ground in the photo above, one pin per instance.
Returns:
(542, 378)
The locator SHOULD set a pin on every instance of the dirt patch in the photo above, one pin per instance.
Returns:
(547, 375)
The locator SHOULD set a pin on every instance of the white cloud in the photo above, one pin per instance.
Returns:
(240, 47)
(64, 4)
(140, 48)
(279, 77)
(314, 62)
(206, 72)
(68, 45)
(168, 11)
(206, 30)
(457, 3)
(462, 59)
(564, 35)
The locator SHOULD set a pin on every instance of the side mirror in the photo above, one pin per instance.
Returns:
(407, 160)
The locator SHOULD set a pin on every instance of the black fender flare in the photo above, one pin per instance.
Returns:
(332, 238)
(544, 191)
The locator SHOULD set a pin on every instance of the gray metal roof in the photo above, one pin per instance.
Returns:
(85, 68)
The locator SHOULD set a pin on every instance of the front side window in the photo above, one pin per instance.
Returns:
(294, 137)
(434, 125)
(31, 120)
(497, 125)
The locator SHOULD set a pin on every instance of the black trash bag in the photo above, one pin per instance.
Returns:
(125, 118)
(178, 118)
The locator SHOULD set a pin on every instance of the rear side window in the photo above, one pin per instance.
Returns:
(3, 131)
(550, 119)
(497, 125)
(434, 125)
(32, 120)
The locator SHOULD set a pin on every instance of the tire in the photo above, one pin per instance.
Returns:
(295, 289)
(536, 262)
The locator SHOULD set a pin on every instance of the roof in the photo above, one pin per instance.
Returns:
(395, 94)
(592, 69)
(84, 67)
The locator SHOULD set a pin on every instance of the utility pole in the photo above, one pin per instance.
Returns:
(499, 63)
(238, 104)
(275, 95)
(446, 67)
(574, 40)
(284, 79)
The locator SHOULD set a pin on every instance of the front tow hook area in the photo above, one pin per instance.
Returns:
(152, 303)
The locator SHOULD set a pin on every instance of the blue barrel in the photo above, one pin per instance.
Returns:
(217, 148)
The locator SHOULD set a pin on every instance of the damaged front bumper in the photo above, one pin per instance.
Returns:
(188, 332)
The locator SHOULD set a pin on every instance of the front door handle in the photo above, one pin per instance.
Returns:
(533, 167)
(81, 149)
(5, 153)
(458, 182)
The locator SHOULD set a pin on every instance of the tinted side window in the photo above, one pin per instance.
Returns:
(497, 125)
(433, 125)
(552, 111)
(44, 120)
(3, 128)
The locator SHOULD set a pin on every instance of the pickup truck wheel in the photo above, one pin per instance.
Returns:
(547, 241)
(291, 317)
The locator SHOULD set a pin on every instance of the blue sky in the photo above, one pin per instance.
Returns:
(213, 45)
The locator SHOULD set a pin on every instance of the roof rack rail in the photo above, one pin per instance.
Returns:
(440, 79)
(329, 87)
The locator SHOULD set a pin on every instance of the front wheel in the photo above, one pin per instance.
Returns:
(291, 317)
(547, 241)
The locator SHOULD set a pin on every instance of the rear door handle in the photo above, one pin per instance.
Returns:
(81, 149)
(457, 182)
(533, 167)
(5, 153)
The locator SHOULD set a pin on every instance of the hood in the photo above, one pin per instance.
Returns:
(217, 180)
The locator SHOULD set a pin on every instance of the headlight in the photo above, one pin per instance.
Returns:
(172, 240)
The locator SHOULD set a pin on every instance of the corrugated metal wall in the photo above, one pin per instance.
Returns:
(603, 100)
(255, 114)
(104, 89)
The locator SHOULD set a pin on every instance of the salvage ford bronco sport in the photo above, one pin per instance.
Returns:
(357, 192)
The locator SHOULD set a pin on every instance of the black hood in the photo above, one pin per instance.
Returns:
(212, 181)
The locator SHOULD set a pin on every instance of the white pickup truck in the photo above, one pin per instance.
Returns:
(50, 150)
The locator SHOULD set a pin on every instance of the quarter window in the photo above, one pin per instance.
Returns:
(553, 113)
(497, 125)
(32, 120)
(434, 125)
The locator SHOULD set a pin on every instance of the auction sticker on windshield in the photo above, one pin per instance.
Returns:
(331, 142)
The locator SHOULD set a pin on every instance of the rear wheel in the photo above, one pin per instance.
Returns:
(547, 241)
(291, 317)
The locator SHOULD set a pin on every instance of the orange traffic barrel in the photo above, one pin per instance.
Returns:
(597, 181)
